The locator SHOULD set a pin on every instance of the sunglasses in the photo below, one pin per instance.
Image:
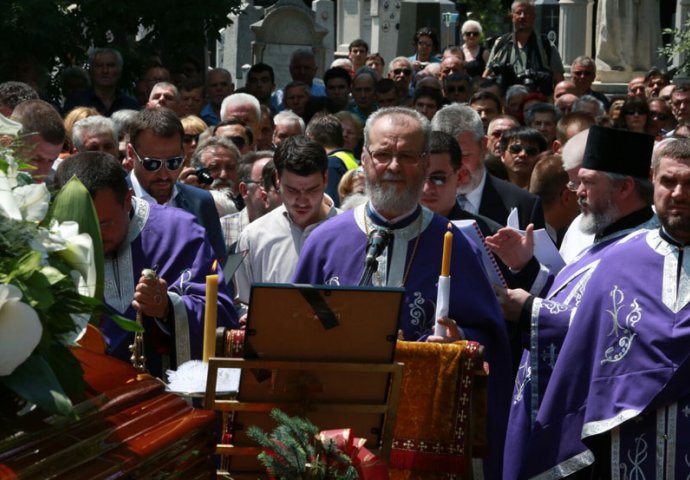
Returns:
(659, 116)
(189, 138)
(403, 71)
(471, 34)
(583, 73)
(438, 179)
(517, 148)
(634, 112)
(154, 164)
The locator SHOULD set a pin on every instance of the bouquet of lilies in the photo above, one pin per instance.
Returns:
(51, 275)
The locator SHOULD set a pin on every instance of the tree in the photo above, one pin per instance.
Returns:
(48, 36)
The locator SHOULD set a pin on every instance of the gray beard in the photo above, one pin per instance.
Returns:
(387, 199)
(594, 223)
(475, 179)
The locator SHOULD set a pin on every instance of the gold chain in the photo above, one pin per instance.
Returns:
(414, 249)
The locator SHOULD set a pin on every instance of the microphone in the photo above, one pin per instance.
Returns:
(378, 240)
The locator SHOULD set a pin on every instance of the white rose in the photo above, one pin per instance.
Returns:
(20, 329)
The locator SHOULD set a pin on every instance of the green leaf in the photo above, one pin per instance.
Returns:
(52, 274)
(73, 202)
(67, 369)
(126, 324)
(38, 291)
(36, 382)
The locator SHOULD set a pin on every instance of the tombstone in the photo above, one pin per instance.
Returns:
(234, 48)
(384, 28)
(547, 19)
(324, 13)
(353, 21)
(288, 25)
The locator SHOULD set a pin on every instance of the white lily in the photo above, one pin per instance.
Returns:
(8, 204)
(33, 201)
(20, 329)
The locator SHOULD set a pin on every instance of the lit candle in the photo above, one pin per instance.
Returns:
(211, 314)
(447, 247)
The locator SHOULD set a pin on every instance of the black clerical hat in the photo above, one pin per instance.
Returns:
(618, 151)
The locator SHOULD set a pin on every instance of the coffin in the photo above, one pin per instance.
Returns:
(128, 427)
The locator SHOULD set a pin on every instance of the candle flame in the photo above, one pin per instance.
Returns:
(214, 267)
(450, 226)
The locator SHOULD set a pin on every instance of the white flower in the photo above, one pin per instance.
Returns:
(8, 204)
(33, 201)
(20, 329)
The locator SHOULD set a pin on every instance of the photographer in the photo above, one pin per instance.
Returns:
(524, 57)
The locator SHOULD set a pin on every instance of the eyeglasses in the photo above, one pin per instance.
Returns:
(517, 148)
(455, 89)
(583, 73)
(438, 179)
(154, 164)
(403, 71)
(189, 138)
(471, 34)
(238, 141)
(572, 186)
(384, 157)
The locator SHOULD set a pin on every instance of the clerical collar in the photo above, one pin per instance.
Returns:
(668, 238)
(629, 221)
(398, 222)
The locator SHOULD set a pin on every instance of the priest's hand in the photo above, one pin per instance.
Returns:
(151, 297)
(511, 301)
(513, 248)
(453, 332)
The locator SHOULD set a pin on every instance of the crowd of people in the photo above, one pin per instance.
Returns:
(586, 365)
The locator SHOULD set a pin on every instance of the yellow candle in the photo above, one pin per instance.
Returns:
(211, 314)
(447, 247)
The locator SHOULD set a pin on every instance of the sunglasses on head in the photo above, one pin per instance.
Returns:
(189, 138)
(154, 164)
(517, 148)
(471, 34)
(404, 71)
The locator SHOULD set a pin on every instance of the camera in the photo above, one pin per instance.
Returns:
(536, 81)
(204, 176)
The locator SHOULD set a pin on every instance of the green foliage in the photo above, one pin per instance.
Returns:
(50, 35)
(492, 15)
(680, 44)
(292, 451)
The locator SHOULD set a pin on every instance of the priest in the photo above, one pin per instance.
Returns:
(395, 161)
(628, 413)
(137, 236)
(614, 194)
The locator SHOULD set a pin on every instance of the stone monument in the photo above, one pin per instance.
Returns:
(288, 25)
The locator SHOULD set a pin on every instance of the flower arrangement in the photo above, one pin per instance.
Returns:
(51, 272)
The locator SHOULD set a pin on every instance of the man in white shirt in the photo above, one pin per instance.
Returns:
(273, 242)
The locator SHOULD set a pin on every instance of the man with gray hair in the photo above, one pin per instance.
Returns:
(400, 71)
(105, 67)
(221, 158)
(245, 107)
(396, 163)
(583, 72)
(589, 105)
(481, 192)
(218, 86)
(165, 94)
(287, 124)
(544, 117)
(97, 134)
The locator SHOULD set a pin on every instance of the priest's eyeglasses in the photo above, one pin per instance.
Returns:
(384, 157)
(154, 164)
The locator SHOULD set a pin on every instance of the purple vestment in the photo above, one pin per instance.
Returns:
(169, 241)
(334, 254)
(548, 326)
(623, 372)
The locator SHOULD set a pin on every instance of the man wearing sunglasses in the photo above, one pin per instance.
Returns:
(400, 71)
(155, 151)
(583, 72)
